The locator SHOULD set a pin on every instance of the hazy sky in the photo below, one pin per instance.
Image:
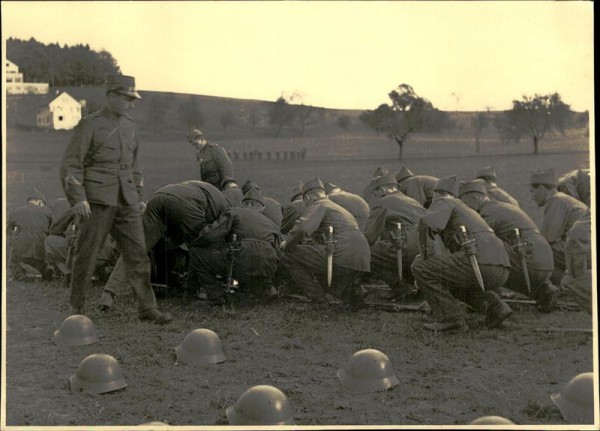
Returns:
(459, 55)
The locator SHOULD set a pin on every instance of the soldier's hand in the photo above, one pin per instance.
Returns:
(282, 245)
(82, 209)
(142, 207)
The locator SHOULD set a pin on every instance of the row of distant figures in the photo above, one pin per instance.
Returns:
(277, 155)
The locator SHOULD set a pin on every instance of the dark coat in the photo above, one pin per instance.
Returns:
(33, 223)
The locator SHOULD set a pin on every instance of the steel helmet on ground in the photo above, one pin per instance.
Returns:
(576, 400)
(97, 374)
(368, 370)
(491, 420)
(261, 405)
(200, 346)
(76, 330)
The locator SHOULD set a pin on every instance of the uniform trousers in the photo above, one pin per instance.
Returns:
(307, 268)
(124, 222)
(558, 250)
(445, 281)
(516, 280)
(28, 248)
(578, 277)
(384, 264)
(57, 250)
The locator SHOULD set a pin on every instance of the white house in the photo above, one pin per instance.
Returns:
(64, 113)
(15, 84)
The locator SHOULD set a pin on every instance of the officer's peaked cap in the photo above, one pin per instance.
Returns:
(122, 84)
(195, 133)
(315, 183)
(384, 180)
(543, 177)
(477, 186)
(403, 173)
(449, 185)
(253, 195)
(249, 185)
(487, 172)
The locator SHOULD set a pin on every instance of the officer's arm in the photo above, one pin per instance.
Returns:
(224, 164)
(71, 168)
(137, 172)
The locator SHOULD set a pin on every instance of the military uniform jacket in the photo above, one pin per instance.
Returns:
(576, 184)
(292, 212)
(419, 187)
(355, 205)
(447, 214)
(503, 218)
(498, 194)
(201, 203)
(33, 223)
(560, 214)
(102, 159)
(234, 196)
(351, 249)
(215, 165)
(273, 210)
(389, 210)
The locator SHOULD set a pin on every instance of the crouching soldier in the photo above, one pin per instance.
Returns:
(418, 187)
(215, 262)
(273, 209)
(388, 243)
(446, 280)
(527, 249)
(308, 265)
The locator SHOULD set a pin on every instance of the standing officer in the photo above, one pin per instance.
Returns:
(576, 184)
(355, 205)
(30, 224)
(215, 166)
(257, 261)
(307, 264)
(488, 174)
(446, 280)
(273, 209)
(102, 179)
(418, 187)
(390, 208)
(560, 214)
(504, 218)
(178, 212)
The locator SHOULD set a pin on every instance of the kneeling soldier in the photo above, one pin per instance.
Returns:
(444, 279)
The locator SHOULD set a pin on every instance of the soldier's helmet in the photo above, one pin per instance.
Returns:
(76, 330)
(97, 374)
(576, 399)
(36, 194)
(368, 370)
(261, 405)
(491, 420)
(200, 346)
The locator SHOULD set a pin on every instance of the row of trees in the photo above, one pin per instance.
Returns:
(76, 65)
(407, 113)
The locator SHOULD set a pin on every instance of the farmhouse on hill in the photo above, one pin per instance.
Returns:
(62, 113)
(15, 84)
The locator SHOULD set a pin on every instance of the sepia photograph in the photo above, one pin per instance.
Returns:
(298, 215)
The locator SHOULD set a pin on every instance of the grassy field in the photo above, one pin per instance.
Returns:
(449, 380)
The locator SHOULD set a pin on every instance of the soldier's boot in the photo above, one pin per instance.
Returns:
(547, 297)
(452, 326)
(106, 300)
(496, 310)
(155, 316)
(47, 273)
(354, 296)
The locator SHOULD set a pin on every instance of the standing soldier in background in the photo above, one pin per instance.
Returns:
(355, 205)
(488, 174)
(177, 212)
(560, 214)
(29, 225)
(576, 184)
(393, 207)
(446, 280)
(504, 218)
(308, 264)
(273, 209)
(418, 187)
(102, 180)
(215, 166)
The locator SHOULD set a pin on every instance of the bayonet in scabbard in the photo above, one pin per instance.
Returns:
(468, 245)
(520, 248)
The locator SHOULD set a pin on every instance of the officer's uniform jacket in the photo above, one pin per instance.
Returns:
(389, 210)
(292, 212)
(503, 218)
(33, 223)
(101, 159)
(447, 214)
(498, 194)
(560, 214)
(351, 249)
(355, 205)
(419, 187)
(215, 165)
(576, 184)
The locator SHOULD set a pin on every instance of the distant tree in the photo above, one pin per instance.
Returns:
(344, 121)
(226, 119)
(306, 116)
(479, 121)
(538, 114)
(190, 113)
(281, 114)
(507, 128)
(407, 113)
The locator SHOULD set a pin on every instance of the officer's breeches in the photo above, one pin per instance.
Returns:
(444, 280)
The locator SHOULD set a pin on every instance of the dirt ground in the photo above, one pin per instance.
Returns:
(444, 379)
